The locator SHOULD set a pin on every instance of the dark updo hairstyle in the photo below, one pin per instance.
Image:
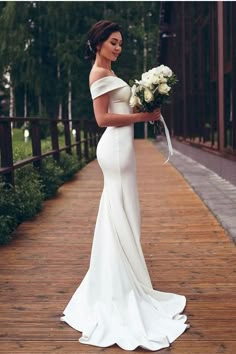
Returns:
(98, 34)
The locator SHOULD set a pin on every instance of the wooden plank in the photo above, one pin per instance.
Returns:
(72, 347)
(39, 328)
(185, 247)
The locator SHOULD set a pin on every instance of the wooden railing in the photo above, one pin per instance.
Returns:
(87, 135)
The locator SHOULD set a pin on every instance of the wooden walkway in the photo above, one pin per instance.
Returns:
(186, 250)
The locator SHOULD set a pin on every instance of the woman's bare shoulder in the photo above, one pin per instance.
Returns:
(98, 73)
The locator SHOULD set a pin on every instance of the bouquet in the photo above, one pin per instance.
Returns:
(151, 92)
(153, 89)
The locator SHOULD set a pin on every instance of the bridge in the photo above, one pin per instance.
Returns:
(186, 249)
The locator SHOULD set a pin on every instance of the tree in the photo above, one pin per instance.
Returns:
(12, 42)
(42, 48)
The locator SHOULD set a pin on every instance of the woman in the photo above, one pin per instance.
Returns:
(115, 302)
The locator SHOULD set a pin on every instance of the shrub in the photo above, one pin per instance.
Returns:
(31, 187)
(51, 176)
(69, 165)
(7, 200)
(7, 226)
(28, 193)
(8, 214)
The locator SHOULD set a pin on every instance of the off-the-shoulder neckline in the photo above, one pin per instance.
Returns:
(108, 76)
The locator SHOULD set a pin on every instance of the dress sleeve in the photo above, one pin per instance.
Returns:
(105, 85)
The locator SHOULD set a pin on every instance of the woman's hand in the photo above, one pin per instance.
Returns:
(153, 116)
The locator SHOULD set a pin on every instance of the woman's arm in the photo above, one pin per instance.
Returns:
(100, 107)
(105, 119)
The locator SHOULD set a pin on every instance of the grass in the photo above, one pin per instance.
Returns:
(23, 149)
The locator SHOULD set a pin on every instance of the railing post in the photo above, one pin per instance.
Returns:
(96, 136)
(6, 149)
(77, 139)
(86, 142)
(36, 142)
(99, 132)
(67, 136)
(94, 139)
(90, 139)
(54, 139)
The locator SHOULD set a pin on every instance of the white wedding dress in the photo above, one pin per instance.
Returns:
(115, 303)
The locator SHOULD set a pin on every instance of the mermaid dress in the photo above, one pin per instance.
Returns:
(116, 303)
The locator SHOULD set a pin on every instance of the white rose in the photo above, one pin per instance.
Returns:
(134, 101)
(133, 90)
(155, 79)
(167, 71)
(162, 79)
(155, 71)
(149, 83)
(146, 79)
(144, 76)
(158, 70)
(163, 89)
(148, 95)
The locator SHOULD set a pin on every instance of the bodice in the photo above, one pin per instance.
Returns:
(118, 90)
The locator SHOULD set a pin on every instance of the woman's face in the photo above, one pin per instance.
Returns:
(112, 47)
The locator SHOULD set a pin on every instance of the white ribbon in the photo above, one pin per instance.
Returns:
(168, 139)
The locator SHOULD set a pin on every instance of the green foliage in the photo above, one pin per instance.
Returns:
(51, 177)
(32, 187)
(69, 165)
(8, 213)
(21, 151)
(28, 193)
(7, 200)
(19, 203)
(7, 225)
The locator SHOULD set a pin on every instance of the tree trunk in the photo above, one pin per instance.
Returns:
(60, 103)
(60, 111)
(40, 105)
(40, 66)
(25, 106)
(69, 98)
(25, 103)
(12, 106)
(12, 101)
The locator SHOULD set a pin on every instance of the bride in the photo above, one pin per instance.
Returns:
(116, 303)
